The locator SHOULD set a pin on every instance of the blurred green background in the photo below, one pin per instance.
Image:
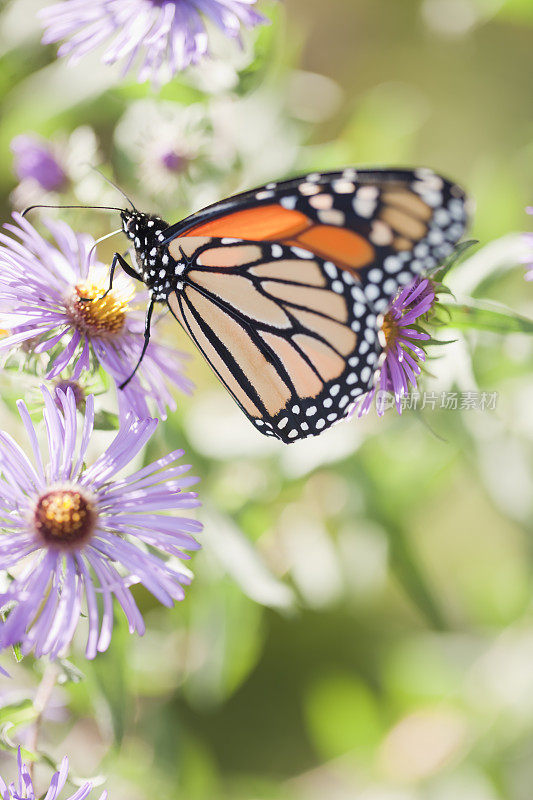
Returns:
(360, 624)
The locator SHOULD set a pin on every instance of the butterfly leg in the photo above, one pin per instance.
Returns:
(147, 324)
(118, 259)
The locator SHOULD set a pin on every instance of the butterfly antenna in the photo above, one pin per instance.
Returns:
(102, 239)
(114, 185)
(97, 208)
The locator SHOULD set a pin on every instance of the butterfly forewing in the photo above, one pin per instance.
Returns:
(290, 336)
(384, 227)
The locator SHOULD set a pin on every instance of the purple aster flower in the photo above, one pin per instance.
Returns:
(23, 789)
(41, 289)
(49, 168)
(161, 36)
(529, 241)
(75, 536)
(35, 160)
(400, 335)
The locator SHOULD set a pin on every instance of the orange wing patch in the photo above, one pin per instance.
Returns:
(274, 223)
(263, 223)
(340, 245)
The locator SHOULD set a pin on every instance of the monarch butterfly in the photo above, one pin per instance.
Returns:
(281, 287)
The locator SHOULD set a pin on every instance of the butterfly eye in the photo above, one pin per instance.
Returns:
(128, 222)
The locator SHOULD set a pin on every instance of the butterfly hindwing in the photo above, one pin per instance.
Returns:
(292, 337)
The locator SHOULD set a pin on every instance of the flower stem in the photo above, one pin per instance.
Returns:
(413, 580)
(42, 698)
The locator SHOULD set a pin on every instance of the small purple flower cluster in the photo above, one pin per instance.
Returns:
(401, 335)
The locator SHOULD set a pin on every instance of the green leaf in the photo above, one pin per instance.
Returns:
(230, 625)
(453, 259)
(108, 674)
(438, 342)
(105, 421)
(413, 579)
(13, 716)
(486, 317)
(18, 713)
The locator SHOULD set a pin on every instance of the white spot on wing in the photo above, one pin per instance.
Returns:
(332, 216)
(343, 187)
(301, 253)
(365, 201)
(308, 189)
(330, 269)
(288, 202)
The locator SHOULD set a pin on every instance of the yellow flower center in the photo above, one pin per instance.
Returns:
(96, 314)
(64, 517)
(389, 331)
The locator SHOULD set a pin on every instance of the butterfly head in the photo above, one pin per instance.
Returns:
(146, 232)
(142, 228)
